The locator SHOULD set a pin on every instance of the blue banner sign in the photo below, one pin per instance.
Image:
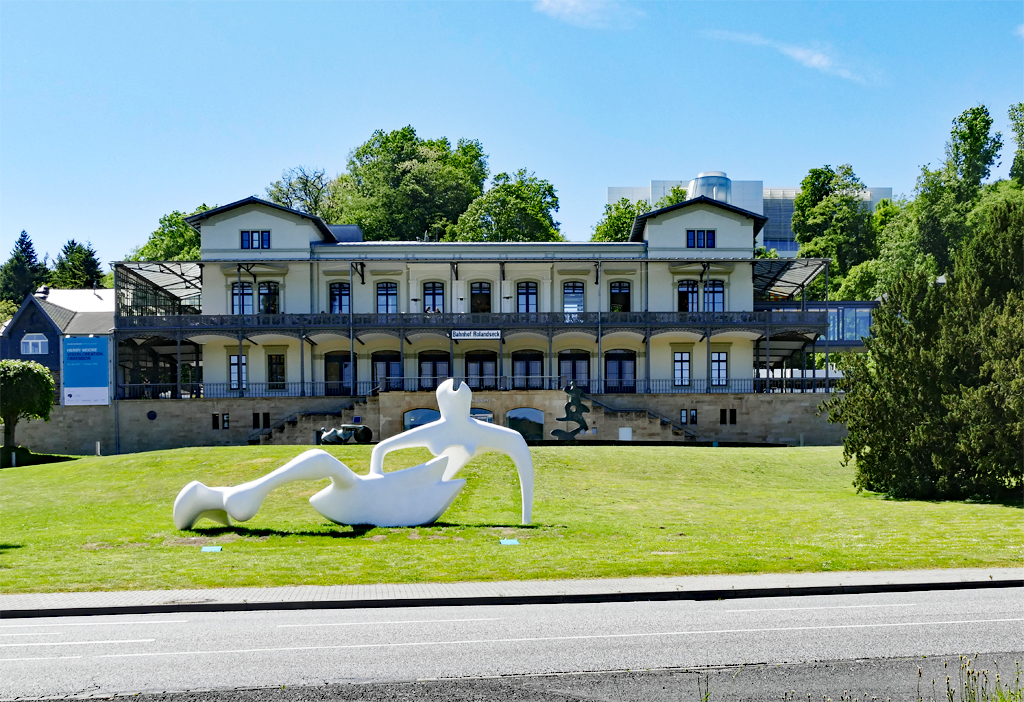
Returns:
(85, 379)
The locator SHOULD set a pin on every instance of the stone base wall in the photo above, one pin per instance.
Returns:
(779, 418)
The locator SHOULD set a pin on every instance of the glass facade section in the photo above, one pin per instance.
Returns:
(270, 298)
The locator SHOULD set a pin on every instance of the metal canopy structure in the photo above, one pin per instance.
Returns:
(178, 278)
(146, 288)
(785, 277)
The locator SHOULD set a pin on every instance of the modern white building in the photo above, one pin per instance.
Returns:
(775, 203)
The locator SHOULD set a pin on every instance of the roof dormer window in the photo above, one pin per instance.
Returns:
(34, 344)
(254, 239)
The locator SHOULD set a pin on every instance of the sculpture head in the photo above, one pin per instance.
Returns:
(454, 402)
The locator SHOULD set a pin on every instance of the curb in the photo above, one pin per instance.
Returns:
(663, 596)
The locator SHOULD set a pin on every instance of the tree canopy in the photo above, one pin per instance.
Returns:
(1016, 115)
(676, 195)
(26, 392)
(617, 221)
(76, 267)
(173, 240)
(305, 189)
(23, 272)
(400, 187)
(518, 207)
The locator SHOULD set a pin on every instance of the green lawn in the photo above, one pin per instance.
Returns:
(105, 523)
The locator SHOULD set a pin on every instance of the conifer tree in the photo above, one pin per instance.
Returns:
(22, 273)
(76, 267)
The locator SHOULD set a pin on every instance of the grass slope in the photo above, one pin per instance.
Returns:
(105, 523)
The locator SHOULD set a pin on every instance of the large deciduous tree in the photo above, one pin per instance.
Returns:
(26, 392)
(517, 207)
(400, 187)
(76, 267)
(1016, 114)
(305, 189)
(617, 221)
(22, 273)
(173, 240)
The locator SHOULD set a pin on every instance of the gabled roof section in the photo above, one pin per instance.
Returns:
(85, 320)
(346, 232)
(196, 220)
(637, 233)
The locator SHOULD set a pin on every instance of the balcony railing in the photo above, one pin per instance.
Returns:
(419, 320)
(593, 386)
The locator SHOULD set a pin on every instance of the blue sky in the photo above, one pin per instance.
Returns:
(113, 114)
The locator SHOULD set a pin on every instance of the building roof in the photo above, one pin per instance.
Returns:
(195, 221)
(78, 312)
(346, 232)
(637, 233)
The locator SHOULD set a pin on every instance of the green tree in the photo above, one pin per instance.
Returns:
(23, 273)
(173, 240)
(518, 207)
(947, 194)
(399, 187)
(305, 189)
(934, 408)
(831, 218)
(676, 195)
(617, 222)
(7, 310)
(76, 267)
(1016, 114)
(26, 392)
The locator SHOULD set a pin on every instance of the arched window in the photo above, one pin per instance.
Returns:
(528, 421)
(339, 377)
(433, 297)
(618, 298)
(482, 415)
(480, 297)
(340, 298)
(714, 296)
(387, 370)
(419, 417)
(527, 370)
(572, 296)
(34, 344)
(270, 298)
(526, 297)
(574, 365)
(620, 371)
(435, 366)
(387, 298)
(241, 298)
(687, 295)
(482, 369)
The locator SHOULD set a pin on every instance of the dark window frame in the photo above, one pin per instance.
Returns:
(477, 292)
(679, 364)
(612, 292)
(692, 295)
(388, 291)
(339, 298)
(269, 297)
(436, 292)
(527, 297)
(254, 239)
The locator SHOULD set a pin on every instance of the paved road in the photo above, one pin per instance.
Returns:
(155, 653)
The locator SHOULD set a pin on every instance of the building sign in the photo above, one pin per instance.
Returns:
(493, 334)
(85, 379)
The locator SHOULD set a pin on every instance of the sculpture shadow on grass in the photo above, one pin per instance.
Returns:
(357, 531)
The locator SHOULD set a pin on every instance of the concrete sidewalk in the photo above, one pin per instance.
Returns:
(696, 587)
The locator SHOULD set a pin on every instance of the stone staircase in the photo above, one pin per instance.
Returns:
(647, 424)
(301, 428)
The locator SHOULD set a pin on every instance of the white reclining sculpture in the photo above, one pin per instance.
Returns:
(408, 497)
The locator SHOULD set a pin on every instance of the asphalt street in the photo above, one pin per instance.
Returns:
(518, 652)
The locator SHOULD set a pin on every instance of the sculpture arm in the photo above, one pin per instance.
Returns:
(408, 439)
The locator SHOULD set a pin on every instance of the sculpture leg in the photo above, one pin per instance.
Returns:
(243, 501)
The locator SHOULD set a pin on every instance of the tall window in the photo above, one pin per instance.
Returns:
(234, 372)
(275, 371)
(434, 368)
(618, 298)
(574, 365)
(700, 238)
(719, 368)
(714, 296)
(340, 298)
(387, 370)
(526, 297)
(479, 297)
(572, 297)
(241, 298)
(482, 369)
(688, 296)
(256, 239)
(32, 344)
(270, 298)
(433, 297)
(681, 362)
(527, 369)
(387, 298)
(620, 371)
